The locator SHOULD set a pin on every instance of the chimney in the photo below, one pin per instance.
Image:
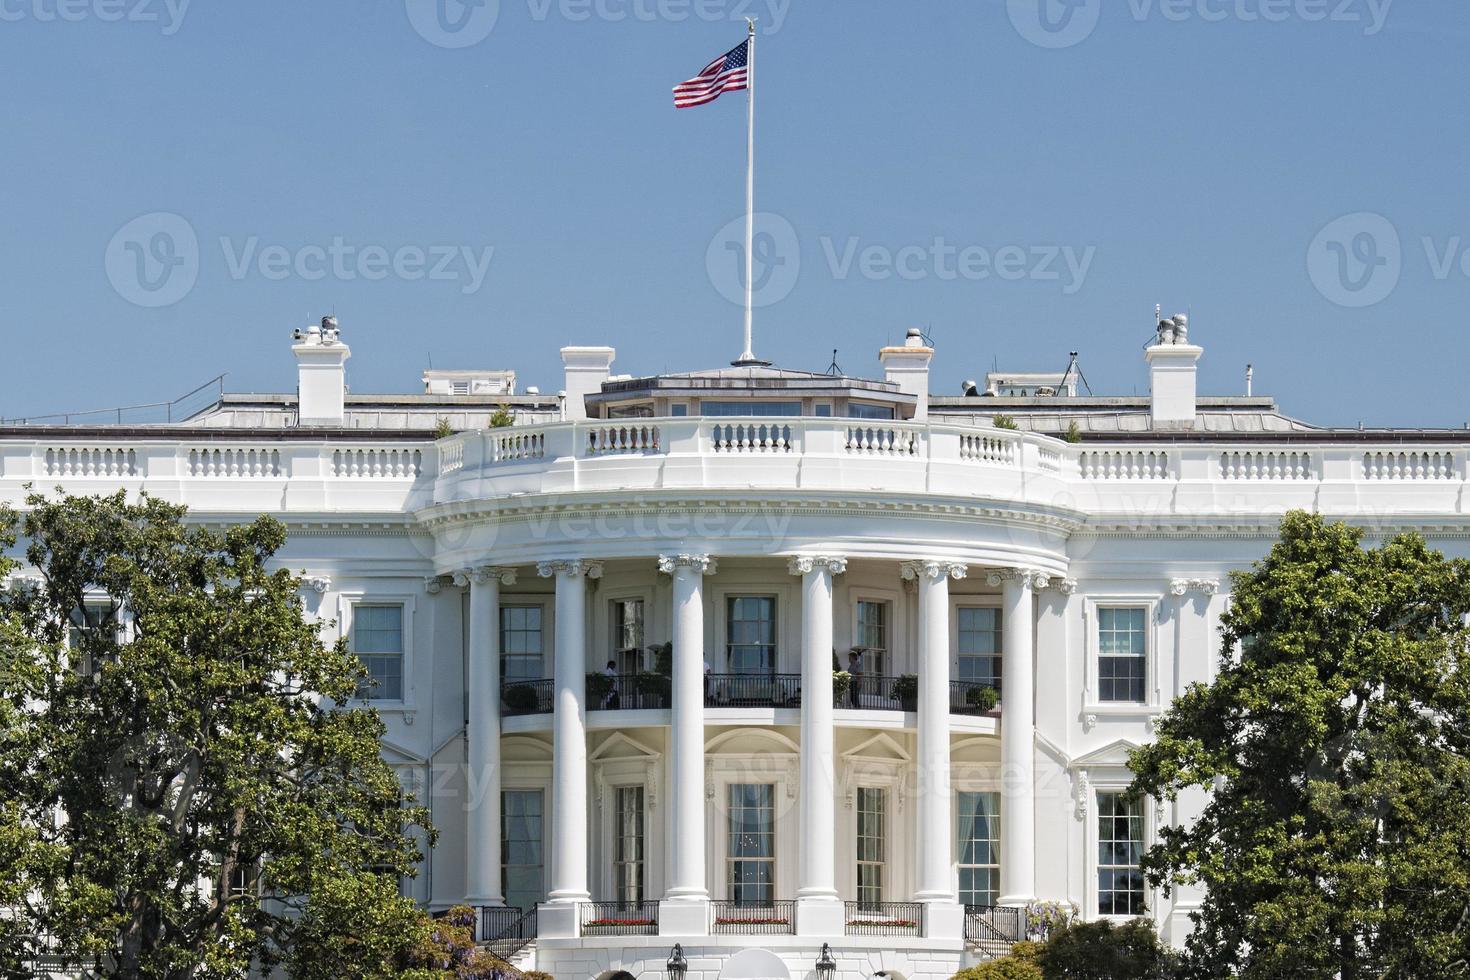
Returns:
(321, 374)
(908, 367)
(1172, 366)
(586, 369)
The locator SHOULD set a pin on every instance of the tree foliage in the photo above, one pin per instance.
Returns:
(1104, 951)
(184, 797)
(1336, 741)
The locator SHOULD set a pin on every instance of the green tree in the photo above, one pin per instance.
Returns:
(181, 783)
(1336, 740)
(1103, 951)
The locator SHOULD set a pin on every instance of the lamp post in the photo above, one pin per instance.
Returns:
(677, 966)
(826, 965)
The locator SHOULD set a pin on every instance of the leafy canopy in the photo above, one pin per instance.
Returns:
(1336, 740)
(181, 753)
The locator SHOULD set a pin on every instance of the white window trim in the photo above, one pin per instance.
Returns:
(548, 626)
(723, 771)
(1152, 705)
(889, 886)
(898, 663)
(1112, 779)
(986, 785)
(610, 629)
(863, 772)
(347, 603)
(525, 777)
(786, 610)
(958, 602)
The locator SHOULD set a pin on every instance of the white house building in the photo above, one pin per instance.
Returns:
(603, 797)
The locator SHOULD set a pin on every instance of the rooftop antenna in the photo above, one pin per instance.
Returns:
(834, 370)
(1074, 366)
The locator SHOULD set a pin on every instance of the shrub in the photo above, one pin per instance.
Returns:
(521, 697)
(1004, 422)
(983, 698)
(1103, 951)
(442, 428)
(1045, 918)
(1006, 968)
(537, 975)
(906, 689)
(841, 683)
(503, 418)
(1073, 433)
(598, 688)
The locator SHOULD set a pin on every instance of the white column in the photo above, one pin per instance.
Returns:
(569, 820)
(936, 820)
(819, 909)
(482, 843)
(687, 896)
(1018, 734)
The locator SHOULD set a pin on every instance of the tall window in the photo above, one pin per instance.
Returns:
(751, 635)
(749, 409)
(1119, 853)
(752, 846)
(628, 846)
(858, 410)
(872, 636)
(377, 639)
(979, 645)
(1122, 662)
(522, 656)
(85, 621)
(628, 634)
(522, 878)
(872, 811)
(979, 832)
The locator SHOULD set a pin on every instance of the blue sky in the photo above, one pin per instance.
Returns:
(1290, 172)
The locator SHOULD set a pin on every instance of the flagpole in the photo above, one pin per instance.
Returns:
(748, 357)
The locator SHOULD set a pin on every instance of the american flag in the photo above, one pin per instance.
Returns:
(727, 73)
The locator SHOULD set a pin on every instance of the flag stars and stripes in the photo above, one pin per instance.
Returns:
(727, 73)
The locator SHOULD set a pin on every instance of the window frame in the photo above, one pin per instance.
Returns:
(548, 638)
(545, 863)
(956, 603)
(347, 603)
(616, 651)
(884, 839)
(731, 859)
(1099, 786)
(1093, 705)
(887, 666)
(727, 620)
(997, 852)
(618, 839)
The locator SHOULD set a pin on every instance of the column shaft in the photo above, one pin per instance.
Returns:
(1018, 740)
(936, 822)
(687, 880)
(818, 867)
(482, 847)
(569, 820)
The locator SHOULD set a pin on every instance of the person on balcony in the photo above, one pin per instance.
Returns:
(855, 668)
(612, 701)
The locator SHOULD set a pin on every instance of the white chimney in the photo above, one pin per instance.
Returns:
(586, 369)
(1173, 364)
(908, 367)
(321, 374)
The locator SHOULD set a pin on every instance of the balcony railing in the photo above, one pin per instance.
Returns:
(764, 919)
(973, 697)
(993, 928)
(752, 691)
(630, 692)
(516, 936)
(883, 918)
(495, 921)
(876, 692)
(526, 697)
(618, 918)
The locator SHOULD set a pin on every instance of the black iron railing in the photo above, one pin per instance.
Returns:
(994, 928)
(752, 690)
(761, 919)
(494, 920)
(618, 918)
(627, 692)
(516, 936)
(875, 692)
(527, 697)
(973, 697)
(884, 918)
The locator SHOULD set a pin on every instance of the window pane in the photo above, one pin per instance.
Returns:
(522, 877)
(979, 848)
(1122, 644)
(871, 843)
(751, 634)
(750, 409)
(979, 646)
(752, 843)
(377, 639)
(628, 846)
(1120, 884)
(521, 637)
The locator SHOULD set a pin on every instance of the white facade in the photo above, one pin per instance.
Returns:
(486, 575)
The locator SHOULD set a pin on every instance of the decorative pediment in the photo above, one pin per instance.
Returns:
(620, 748)
(881, 747)
(752, 741)
(521, 748)
(1112, 754)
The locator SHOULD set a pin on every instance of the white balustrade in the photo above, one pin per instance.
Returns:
(627, 438)
(91, 461)
(367, 464)
(752, 437)
(232, 463)
(1415, 465)
(508, 445)
(1266, 465)
(882, 440)
(1125, 464)
(991, 448)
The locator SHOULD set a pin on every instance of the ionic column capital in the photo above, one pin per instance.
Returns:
(1065, 586)
(1027, 578)
(573, 568)
(701, 564)
(933, 570)
(317, 583)
(802, 564)
(1184, 586)
(484, 575)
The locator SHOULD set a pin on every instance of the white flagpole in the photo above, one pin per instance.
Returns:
(748, 357)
